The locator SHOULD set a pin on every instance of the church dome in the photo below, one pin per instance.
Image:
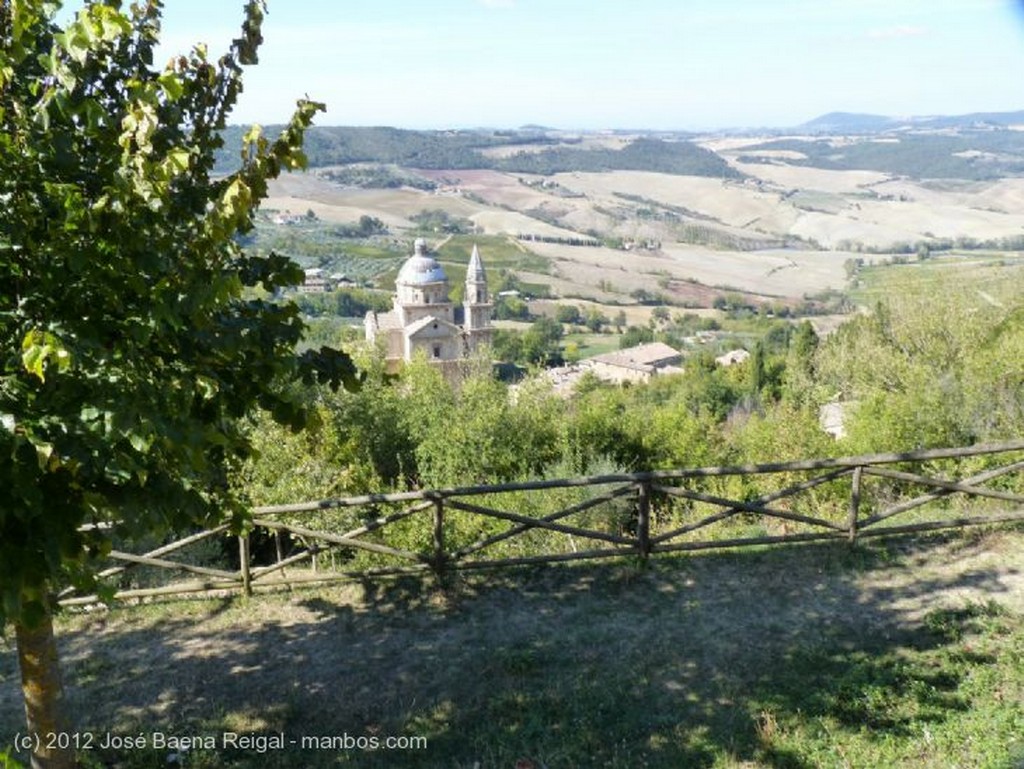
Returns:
(420, 269)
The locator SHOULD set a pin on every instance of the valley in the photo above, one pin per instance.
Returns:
(782, 226)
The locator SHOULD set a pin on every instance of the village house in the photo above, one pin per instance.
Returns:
(636, 364)
(316, 281)
(288, 218)
(732, 358)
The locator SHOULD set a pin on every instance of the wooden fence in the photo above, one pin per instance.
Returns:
(654, 512)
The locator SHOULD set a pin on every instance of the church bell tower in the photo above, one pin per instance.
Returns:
(477, 325)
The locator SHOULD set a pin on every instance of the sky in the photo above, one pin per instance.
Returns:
(593, 64)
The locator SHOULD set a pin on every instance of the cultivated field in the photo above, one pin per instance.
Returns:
(879, 210)
(779, 233)
(602, 274)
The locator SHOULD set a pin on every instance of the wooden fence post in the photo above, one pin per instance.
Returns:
(854, 504)
(439, 560)
(279, 549)
(243, 560)
(643, 519)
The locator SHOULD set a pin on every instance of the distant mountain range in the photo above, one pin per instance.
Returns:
(977, 146)
(857, 123)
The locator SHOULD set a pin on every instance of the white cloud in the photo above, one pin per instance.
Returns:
(497, 3)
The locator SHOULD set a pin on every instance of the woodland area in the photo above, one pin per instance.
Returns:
(335, 145)
(974, 155)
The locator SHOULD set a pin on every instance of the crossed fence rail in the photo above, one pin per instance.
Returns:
(654, 512)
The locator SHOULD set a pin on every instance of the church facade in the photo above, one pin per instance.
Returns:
(424, 320)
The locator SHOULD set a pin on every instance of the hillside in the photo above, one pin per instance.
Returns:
(609, 216)
(970, 155)
(331, 146)
(854, 123)
(920, 147)
(846, 123)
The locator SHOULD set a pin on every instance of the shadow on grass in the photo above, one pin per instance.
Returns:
(781, 658)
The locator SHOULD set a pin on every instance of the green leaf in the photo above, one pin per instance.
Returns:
(253, 135)
(176, 162)
(112, 25)
(95, 115)
(237, 198)
(172, 85)
(40, 347)
(331, 367)
(141, 440)
(48, 461)
(207, 387)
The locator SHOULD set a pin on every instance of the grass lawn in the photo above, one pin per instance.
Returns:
(496, 251)
(906, 653)
(992, 274)
(590, 345)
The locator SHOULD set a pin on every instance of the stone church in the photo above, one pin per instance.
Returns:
(423, 318)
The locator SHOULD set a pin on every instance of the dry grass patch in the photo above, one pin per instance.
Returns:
(729, 202)
(500, 222)
(757, 658)
(400, 203)
(775, 273)
(788, 177)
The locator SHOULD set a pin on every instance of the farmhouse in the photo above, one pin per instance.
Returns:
(833, 416)
(316, 281)
(636, 364)
(423, 319)
(732, 358)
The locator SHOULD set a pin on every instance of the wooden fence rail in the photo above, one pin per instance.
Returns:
(644, 514)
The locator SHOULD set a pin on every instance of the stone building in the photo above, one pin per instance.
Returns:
(425, 320)
(636, 364)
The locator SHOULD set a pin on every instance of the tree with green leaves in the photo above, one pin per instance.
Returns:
(620, 320)
(568, 313)
(635, 335)
(131, 347)
(595, 320)
(542, 342)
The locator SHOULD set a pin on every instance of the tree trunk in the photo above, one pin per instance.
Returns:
(53, 744)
